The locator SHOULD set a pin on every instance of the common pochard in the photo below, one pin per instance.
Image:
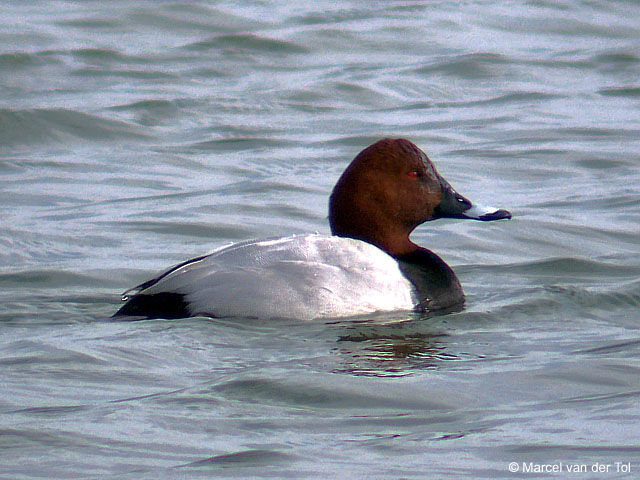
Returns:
(367, 265)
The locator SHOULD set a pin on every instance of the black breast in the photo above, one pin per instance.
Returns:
(436, 284)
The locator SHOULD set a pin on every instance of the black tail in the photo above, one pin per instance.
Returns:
(159, 305)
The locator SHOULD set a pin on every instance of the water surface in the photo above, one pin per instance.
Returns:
(136, 135)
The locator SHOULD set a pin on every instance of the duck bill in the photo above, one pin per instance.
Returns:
(454, 205)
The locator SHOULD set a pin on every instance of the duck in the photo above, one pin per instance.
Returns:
(367, 265)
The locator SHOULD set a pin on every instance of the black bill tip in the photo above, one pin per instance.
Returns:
(497, 215)
(486, 214)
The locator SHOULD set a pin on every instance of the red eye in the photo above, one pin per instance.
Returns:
(414, 174)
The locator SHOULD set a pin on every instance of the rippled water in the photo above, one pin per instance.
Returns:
(134, 135)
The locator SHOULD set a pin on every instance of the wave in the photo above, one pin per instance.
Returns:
(247, 42)
(18, 60)
(578, 267)
(51, 278)
(34, 126)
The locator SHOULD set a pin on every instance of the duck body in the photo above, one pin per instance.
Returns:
(368, 265)
(302, 276)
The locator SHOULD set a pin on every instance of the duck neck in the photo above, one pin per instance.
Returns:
(396, 246)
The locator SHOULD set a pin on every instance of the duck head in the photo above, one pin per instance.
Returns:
(389, 189)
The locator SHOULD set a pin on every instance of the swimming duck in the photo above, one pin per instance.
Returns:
(368, 264)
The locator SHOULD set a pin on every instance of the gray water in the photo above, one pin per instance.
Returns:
(135, 135)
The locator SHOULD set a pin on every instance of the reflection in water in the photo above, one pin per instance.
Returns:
(396, 350)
